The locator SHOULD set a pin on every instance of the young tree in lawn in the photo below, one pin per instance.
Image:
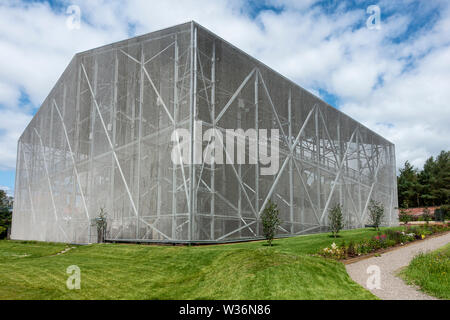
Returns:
(336, 219)
(270, 221)
(101, 222)
(376, 213)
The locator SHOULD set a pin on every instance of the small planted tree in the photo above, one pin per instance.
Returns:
(336, 219)
(426, 215)
(376, 213)
(270, 221)
(404, 217)
(101, 223)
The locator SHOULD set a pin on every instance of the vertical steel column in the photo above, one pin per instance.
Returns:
(141, 101)
(113, 128)
(63, 114)
(393, 183)
(50, 146)
(388, 161)
(76, 139)
(213, 164)
(66, 152)
(193, 108)
(301, 175)
(131, 102)
(194, 197)
(239, 126)
(18, 185)
(175, 120)
(159, 190)
(341, 179)
(291, 172)
(358, 157)
(92, 138)
(257, 152)
(318, 179)
(372, 163)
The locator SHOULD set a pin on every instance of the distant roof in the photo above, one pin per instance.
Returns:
(419, 211)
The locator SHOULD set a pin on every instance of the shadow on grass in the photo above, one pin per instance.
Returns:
(273, 245)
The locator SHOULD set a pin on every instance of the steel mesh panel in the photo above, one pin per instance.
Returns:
(102, 139)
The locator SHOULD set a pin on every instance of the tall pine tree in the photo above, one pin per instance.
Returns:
(408, 186)
(429, 187)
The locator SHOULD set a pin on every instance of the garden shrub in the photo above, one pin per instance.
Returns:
(334, 252)
(351, 249)
(426, 215)
(446, 211)
(439, 215)
(101, 223)
(336, 219)
(404, 217)
(385, 239)
(376, 213)
(270, 221)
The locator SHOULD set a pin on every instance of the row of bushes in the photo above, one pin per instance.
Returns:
(405, 218)
(440, 214)
(443, 213)
(387, 238)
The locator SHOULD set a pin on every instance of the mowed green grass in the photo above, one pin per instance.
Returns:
(252, 270)
(431, 272)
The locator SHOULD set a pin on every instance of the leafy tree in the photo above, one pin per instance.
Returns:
(408, 185)
(445, 211)
(336, 219)
(404, 217)
(101, 222)
(376, 213)
(5, 214)
(270, 221)
(428, 187)
(441, 186)
(427, 180)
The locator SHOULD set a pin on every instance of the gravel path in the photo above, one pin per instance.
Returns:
(391, 287)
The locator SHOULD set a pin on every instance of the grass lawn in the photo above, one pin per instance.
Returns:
(252, 270)
(431, 272)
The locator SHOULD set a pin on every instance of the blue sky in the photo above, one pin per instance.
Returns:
(394, 80)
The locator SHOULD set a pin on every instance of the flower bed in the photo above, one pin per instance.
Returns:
(383, 240)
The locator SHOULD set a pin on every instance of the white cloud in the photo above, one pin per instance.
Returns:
(12, 124)
(397, 88)
(35, 48)
(9, 94)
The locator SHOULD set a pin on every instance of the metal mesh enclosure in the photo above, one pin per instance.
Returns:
(102, 139)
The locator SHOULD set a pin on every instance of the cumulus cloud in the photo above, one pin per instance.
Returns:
(394, 80)
(35, 48)
(12, 124)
